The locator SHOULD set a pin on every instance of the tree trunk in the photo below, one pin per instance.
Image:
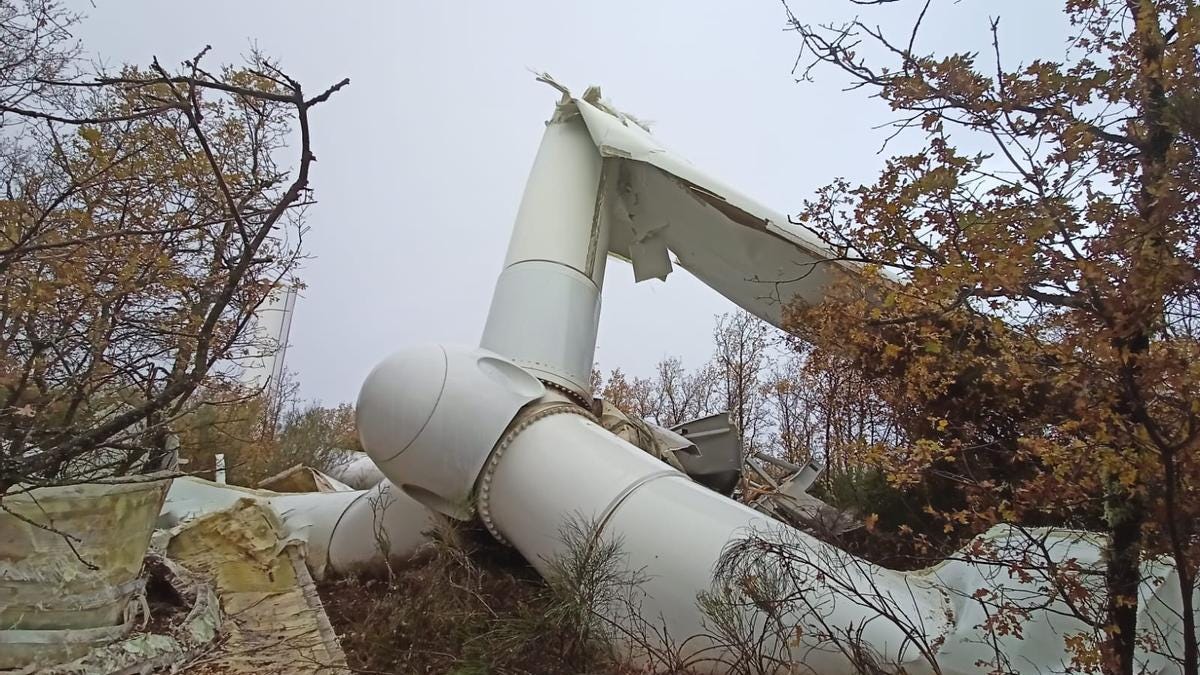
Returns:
(1122, 575)
(1183, 564)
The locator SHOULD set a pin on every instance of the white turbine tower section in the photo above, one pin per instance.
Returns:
(546, 306)
(263, 369)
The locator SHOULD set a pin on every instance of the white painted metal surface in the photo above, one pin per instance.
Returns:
(263, 369)
(358, 471)
(429, 416)
(660, 202)
(345, 531)
(670, 529)
(546, 306)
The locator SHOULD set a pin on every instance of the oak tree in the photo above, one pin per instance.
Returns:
(146, 213)
(1038, 325)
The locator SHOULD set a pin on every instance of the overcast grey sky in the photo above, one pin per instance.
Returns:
(422, 160)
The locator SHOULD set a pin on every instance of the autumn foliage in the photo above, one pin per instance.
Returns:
(146, 214)
(1037, 336)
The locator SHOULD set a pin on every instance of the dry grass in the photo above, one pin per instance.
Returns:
(463, 605)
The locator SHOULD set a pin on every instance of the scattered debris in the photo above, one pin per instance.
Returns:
(300, 478)
(63, 590)
(221, 592)
(273, 618)
(788, 499)
(150, 651)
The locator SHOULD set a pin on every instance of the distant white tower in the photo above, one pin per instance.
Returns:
(263, 369)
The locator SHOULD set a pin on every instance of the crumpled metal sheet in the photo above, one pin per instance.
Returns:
(658, 202)
(251, 588)
(70, 557)
(274, 622)
(301, 478)
(642, 434)
(191, 497)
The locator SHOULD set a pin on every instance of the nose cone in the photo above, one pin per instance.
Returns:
(398, 398)
(429, 418)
